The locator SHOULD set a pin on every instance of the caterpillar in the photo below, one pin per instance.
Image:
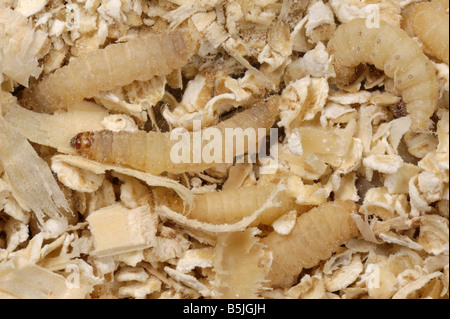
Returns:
(430, 23)
(116, 65)
(151, 151)
(315, 236)
(390, 49)
(230, 206)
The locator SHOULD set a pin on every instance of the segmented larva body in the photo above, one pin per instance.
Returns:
(151, 151)
(316, 235)
(231, 206)
(390, 49)
(429, 21)
(116, 65)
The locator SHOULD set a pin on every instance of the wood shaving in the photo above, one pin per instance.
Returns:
(73, 227)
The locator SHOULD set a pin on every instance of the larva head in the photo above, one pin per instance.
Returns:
(82, 141)
(399, 109)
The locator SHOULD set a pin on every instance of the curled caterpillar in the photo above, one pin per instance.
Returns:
(116, 65)
(430, 23)
(316, 235)
(152, 152)
(390, 49)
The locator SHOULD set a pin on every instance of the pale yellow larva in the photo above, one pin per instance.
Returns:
(151, 152)
(315, 236)
(116, 65)
(390, 49)
(231, 206)
(429, 21)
